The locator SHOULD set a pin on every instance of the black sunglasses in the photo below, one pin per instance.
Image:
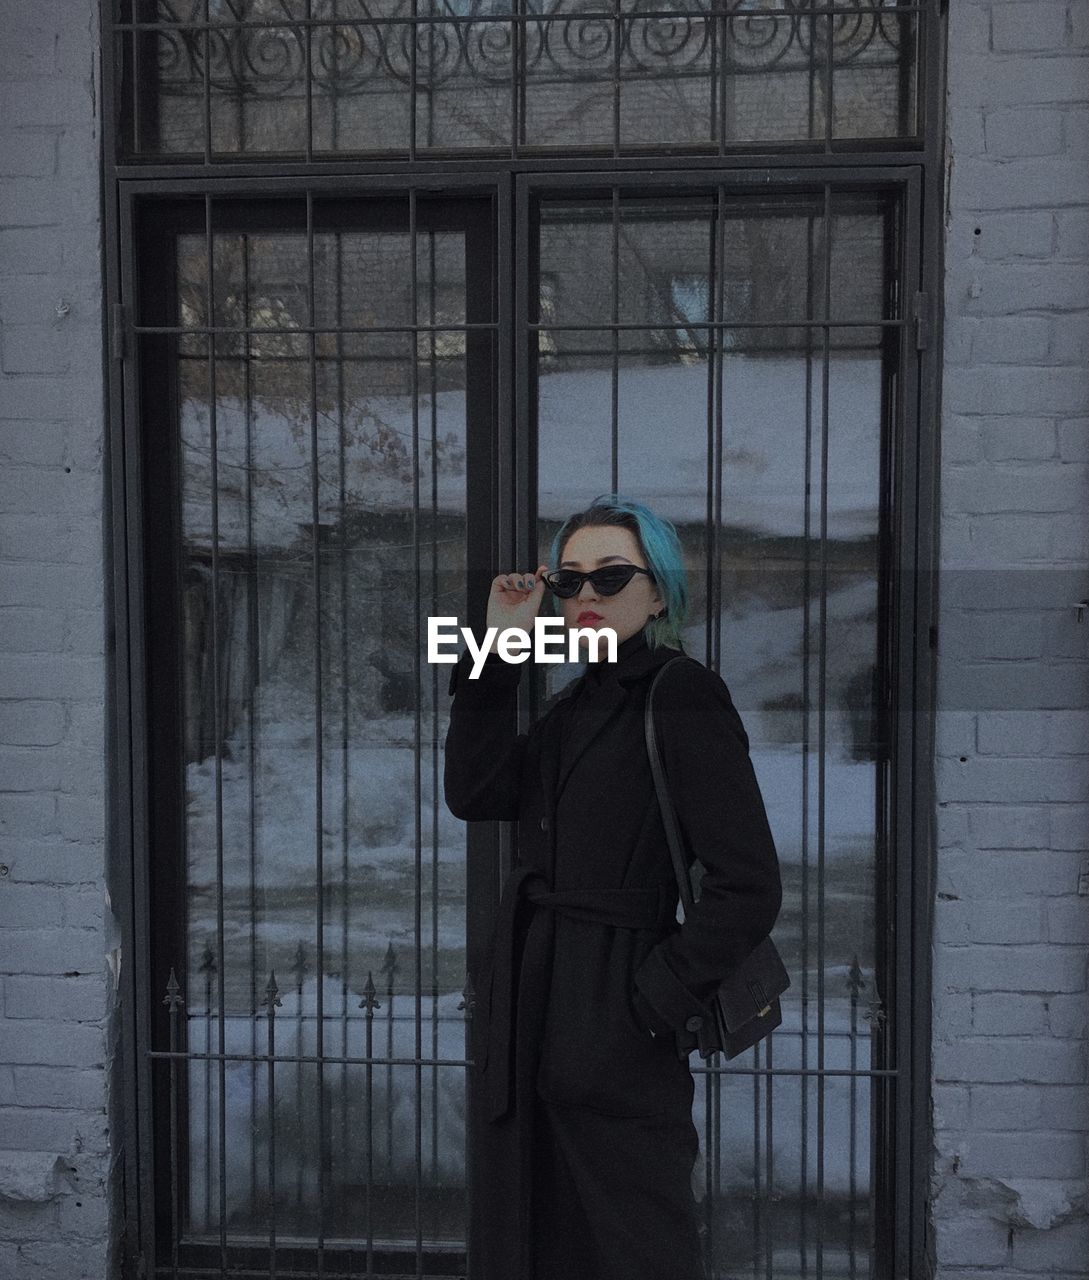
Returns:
(607, 581)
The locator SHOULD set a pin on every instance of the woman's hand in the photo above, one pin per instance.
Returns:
(515, 600)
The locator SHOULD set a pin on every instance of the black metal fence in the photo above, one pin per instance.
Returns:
(344, 401)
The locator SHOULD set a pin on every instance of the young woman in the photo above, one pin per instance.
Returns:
(590, 1002)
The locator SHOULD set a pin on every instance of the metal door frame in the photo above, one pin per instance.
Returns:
(904, 894)
(920, 170)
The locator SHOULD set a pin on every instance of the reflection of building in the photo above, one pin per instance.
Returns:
(705, 248)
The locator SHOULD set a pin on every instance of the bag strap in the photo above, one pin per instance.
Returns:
(665, 802)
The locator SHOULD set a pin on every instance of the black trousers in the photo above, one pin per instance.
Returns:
(612, 1196)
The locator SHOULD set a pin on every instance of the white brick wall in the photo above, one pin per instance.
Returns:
(1011, 1106)
(55, 994)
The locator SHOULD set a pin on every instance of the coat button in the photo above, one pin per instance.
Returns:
(694, 1023)
(544, 824)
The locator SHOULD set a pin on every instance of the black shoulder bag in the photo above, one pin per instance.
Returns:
(745, 1006)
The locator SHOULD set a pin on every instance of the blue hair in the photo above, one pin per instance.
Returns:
(661, 548)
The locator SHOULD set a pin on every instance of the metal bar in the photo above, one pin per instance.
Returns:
(272, 1001)
(417, 646)
(308, 82)
(803, 1203)
(319, 732)
(253, 650)
(614, 387)
(822, 695)
(452, 19)
(404, 1061)
(345, 711)
(848, 155)
(217, 711)
(696, 326)
(206, 85)
(436, 782)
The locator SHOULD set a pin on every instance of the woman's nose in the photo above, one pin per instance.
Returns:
(587, 592)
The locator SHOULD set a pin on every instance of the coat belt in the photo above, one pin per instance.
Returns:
(621, 908)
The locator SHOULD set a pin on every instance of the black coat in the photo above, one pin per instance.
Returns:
(591, 982)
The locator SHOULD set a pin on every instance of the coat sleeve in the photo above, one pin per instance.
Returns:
(482, 770)
(720, 811)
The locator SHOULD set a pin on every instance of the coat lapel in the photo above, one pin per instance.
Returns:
(606, 703)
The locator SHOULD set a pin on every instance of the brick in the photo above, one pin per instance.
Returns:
(1070, 339)
(80, 817)
(1018, 439)
(29, 769)
(1024, 1155)
(45, 863)
(45, 299)
(997, 1013)
(1076, 132)
(1010, 635)
(989, 1058)
(48, 1259)
(1067, 542)
(1002, 236)
(1028, 183)
(951, 1106)
(970, 1242)
(984, 80)
(29, 906)
(1068, 733)
(1068, 921)
(999, 390)
(1068, 1016)
(1003, 1106)
(989, 685)
(1021, 132)
(951, 925)
(52, 1044)
(35, 349)
(46, 1129)
(965, 128)
(80, 999)
(51, 951)
(84, 908)
(36, 489)
(83, 1217)
(1063, 1107)
(1035, 26)
(21, 248)
(1069, 827)
(1012, 340)
(1007, 826)
(952, 825)
(31, 723)
(1006, 539)
(1006, 922)
(38, 1086)
(1074, 440)
(1012, 732)
(1035, 1250)
(37, 675)
(1044, 968)
(41, 444)
(24, 630)
(27, 813)
(1001, 289)
(961, 440)
(1072, 232)
(28, 153)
